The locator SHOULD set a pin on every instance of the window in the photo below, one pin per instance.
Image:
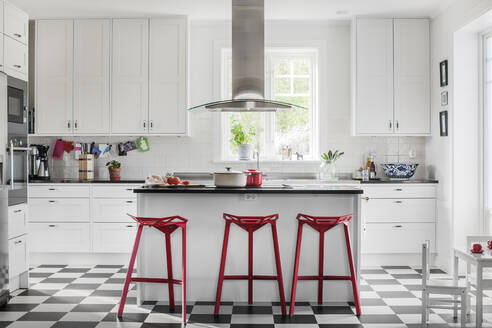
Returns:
(487, 105)
(291, 76)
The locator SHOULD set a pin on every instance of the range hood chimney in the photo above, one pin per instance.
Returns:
(248, 62)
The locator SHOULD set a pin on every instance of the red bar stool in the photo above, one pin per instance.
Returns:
(323, 224)
(167, 226)
(250, 224)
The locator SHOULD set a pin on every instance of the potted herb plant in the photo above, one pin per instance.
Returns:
(241, 138)
(328, 169)
(114, 168)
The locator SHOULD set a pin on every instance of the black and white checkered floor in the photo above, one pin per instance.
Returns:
(83, 297)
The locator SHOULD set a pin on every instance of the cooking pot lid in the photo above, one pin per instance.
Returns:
(228, 170)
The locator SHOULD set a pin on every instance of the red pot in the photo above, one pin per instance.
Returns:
(254, 178)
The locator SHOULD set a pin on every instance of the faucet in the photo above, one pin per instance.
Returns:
(257, 154)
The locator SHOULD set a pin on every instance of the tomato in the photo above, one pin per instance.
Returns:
(173, 180)
(186, 182)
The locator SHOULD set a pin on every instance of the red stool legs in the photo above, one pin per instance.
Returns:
(250, 267)
(129, 272)
(320, 266)
(183, 265)
(355, 288)
(280, 279)
(222, 267)
(295, 276)
(169, 271)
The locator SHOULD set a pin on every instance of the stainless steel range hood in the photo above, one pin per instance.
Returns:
(248, 63)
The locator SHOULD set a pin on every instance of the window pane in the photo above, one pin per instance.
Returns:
(281, 66)
(292, 128)
(301, 85)
(251, 124)
(301, 67)
(282, 85)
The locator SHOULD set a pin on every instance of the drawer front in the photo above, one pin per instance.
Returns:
(59, 191)
(390, 238)
(59, 209)
(59, 237)
(17, 256)
(113, 210)
(409, 209)
(119, 191)
(114, 237)
(400, 191)
(17, 220)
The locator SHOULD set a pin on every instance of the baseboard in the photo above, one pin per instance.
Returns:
(81, 259)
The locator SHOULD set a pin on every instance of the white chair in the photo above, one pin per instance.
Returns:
(441, 287)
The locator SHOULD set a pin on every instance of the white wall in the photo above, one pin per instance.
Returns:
(195, 153)
(454, 160)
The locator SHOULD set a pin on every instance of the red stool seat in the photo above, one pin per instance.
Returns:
(323, 224)
(250, 224)
(166, 225)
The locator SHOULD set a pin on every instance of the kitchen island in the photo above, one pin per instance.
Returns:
(203, 207)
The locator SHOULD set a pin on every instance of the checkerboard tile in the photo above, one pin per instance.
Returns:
(87, 297)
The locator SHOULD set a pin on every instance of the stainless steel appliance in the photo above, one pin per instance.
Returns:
(38, 163)
(4, 249)
(17, 145)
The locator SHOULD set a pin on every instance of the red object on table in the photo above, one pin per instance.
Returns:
(254, 178)
(323, 224)
(58, 149)
(166, 225)
(250, 224)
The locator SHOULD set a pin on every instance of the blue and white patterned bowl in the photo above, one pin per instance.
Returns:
(399, 170)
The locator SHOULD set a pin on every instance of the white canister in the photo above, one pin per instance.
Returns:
(244, 152)
(229, 178)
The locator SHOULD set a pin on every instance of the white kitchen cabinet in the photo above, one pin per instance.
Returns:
(2, 62)
(91, 94)
(59, 237)
(391, 77)
(15, 58)
(167, 76)
(113, 210)
(17, 218)
(130, 76)
(412, 76)
(374, 76)
(114, 237)
(59, 190)
(59, 209)
(400, 209)
(54, 77)
(17, 256)
(2, 18)
(112, 191)
(16, 23)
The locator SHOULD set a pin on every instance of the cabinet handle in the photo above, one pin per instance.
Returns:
(18, 242)
(17, 66)
(145, 124)
(398, 226)
(397, 125)
(51, 225)
(52, 189)
(398, 189)
(129, 226)
(151, 124)
(17, 211)
(390, 125)
(68, 124)
(17, 35)
(365, 198)
(76, 124)
(129, 201)
(51, 201)
(398, 201)
(129, 189)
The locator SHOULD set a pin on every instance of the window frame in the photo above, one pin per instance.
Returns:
(221, 71)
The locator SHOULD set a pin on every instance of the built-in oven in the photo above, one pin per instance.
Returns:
(18, 151)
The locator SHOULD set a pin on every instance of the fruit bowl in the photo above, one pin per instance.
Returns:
(399, 170)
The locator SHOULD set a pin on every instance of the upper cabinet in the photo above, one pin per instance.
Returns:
(54, 77)
(16, 23)
(391, 77)
(91, 76)
(130, 76)
(167, 76)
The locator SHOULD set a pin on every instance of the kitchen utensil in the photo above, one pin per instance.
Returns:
(254, 178)
(86, 167)
(477, 248)
(399, 170)
(229, 178)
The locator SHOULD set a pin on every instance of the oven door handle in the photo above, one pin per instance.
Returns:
(12, 172)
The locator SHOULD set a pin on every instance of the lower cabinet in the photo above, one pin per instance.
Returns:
(59, 237)
(114, 237)
(18, 256)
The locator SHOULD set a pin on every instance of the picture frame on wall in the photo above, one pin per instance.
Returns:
(443, 123)
(443, 70)
(444, 98)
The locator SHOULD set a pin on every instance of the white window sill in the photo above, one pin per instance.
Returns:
(253, 161)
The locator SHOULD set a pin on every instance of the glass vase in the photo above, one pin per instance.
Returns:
(328, 171)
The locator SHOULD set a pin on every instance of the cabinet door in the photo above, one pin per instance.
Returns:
(91, 76)
(54, 73)
(113, 210)
(2, 62)
(59, 209)
(59, 237)
(17, 220)
(130, 76)
(412, 76)
(16, 24)
(17, 256)
(374, 77)
(167, 76)
(2, 17)
(15, 58)
(114, 237)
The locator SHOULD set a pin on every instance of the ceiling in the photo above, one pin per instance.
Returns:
(220, 9)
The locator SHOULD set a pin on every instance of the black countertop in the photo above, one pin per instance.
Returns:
(54, 180)
(250, 190)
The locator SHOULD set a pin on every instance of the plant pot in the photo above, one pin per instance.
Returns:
(244, 152)
(114, 174)
(328, 171)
